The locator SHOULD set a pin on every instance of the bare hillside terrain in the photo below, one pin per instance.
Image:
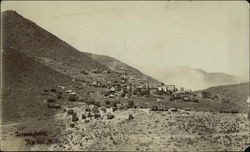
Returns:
(237, 93)
(23, 81)
(53, 52)
(58, 98)
(121, 67)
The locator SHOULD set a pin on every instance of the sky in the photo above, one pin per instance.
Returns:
(211, 35)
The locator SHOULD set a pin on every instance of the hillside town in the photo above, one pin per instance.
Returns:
(58, 98)
(89, 122)
(120, 95)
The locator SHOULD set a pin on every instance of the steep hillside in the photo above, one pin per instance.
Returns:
(30, 39)
(34, 41)
(236, 92)
(192, 78)
(34, 60)
(119, 66)
(23, 81)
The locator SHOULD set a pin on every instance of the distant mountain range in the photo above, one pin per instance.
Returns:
(191, 78)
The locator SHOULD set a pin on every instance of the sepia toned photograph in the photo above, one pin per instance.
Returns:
(125, 76)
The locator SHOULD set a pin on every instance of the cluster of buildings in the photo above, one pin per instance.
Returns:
(129, 85)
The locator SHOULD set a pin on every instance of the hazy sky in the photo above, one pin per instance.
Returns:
(211, 35)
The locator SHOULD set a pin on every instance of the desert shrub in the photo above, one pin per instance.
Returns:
(53, 90)
(51, 100)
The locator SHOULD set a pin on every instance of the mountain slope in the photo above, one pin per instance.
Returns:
(192, 78)
(34, 60)
(237, 94)
(33, 41)
(23, 81)
(119, 66)
(30, 39)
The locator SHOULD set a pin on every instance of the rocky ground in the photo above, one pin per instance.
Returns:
(146, 131)
(35, 66)
(101, 127)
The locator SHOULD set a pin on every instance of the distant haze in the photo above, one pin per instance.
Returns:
(191, 78)
(213, 36)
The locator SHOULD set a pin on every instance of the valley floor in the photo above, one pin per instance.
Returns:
(147, 131)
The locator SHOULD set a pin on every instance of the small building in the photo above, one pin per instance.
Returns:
(111, 96)
(205, 94)
(95, 83)
(73, 97)
(162, 88)
(110, 116)
(188, 90)
(170, 87)
(154, 108)
(160, 109)
(153, 90)
(186, 98)
(96, 71)
(165, 88)
(55, 106)
(181, 88)
(50, 100)
(199, 94)
(68, 91)
(112, 89)
(173, 109)
(188, 109)
(61, 87)
(85, 72)
(178, 93)
(110, 110)
(139, 87)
